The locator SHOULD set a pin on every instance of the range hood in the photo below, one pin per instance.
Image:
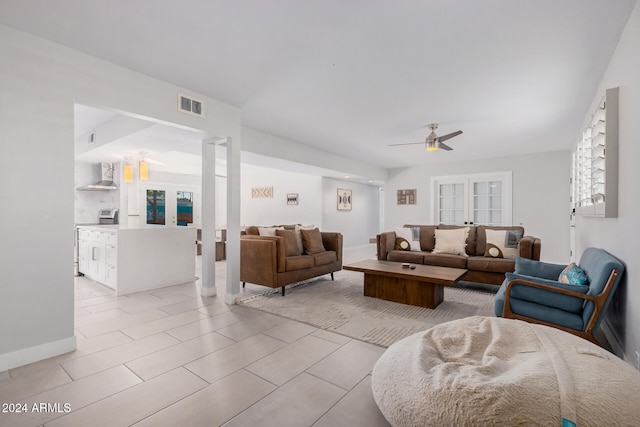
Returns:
(106, 181)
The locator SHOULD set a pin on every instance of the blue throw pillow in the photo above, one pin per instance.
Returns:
(574, 275)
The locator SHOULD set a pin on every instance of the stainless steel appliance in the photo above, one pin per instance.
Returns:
(107, 171)
(108, 216)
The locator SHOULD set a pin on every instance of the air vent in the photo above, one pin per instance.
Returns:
(190, 105)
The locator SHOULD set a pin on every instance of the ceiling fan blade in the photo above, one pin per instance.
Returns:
(444, 147)
(407, 143)
(449, 136)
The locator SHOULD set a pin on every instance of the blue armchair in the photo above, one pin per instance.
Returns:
(534, 293)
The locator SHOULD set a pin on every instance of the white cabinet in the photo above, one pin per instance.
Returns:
(96, 261)
(111, 276)
(93, 253)
(83, 256)
(112, 255)
(111, 261)
(136, 258)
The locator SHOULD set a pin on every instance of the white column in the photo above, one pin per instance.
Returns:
(208, 280)
(233, 221)
(123, 208)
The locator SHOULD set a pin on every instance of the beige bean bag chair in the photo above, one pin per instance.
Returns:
(485, 371)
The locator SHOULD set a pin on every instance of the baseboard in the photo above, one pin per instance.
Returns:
(208, 291)
(36, 353)
(230, 298)
(615, 344)
(358, 253)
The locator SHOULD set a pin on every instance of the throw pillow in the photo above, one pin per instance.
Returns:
(574, 275)
(545, 270)
(290, 242)
(452, 241)
(408, 239)
(268, 231)
(299, 236)
(312, 241)
(502, 243)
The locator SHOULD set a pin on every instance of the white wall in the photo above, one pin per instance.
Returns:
(621, 235)
(359, 224)
(274, 146)
(270, 211)
(39, 83)
(540, 195)
(316, 203)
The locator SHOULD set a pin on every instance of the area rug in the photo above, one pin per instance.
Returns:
(339, 306)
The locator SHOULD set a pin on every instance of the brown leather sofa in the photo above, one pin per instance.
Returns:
(482, 269)
(264, 260)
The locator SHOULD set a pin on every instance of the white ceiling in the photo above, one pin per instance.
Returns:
(169, 149)
(353, 76)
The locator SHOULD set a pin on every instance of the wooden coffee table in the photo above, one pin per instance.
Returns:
(423, 286)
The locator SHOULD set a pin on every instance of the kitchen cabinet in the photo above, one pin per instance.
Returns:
(138, 257)
(92, 254)
(111, 260)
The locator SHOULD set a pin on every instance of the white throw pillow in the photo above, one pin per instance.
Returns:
(453, 241)
(407, 239)
(502, 243)
(299, 235)
(268, 231)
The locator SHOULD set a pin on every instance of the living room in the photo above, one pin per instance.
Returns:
(38, 302)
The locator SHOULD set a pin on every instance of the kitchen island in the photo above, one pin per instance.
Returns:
(134, 258)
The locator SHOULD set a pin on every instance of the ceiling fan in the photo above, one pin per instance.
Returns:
(433, 141)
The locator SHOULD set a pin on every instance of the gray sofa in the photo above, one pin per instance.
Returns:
(482, 269)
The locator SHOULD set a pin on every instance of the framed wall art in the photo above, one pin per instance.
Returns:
(292, 198)
(407, 197)
(262, 192)
(344, 199)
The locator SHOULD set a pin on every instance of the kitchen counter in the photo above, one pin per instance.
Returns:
(108, 227)
(134, 258)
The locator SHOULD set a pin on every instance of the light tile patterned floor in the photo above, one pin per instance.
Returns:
(171, 357)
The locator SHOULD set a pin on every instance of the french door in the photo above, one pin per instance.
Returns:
(156, 206)
(169, 205)
(482, 199)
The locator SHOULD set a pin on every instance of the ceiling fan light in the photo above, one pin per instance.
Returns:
(432, 145)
